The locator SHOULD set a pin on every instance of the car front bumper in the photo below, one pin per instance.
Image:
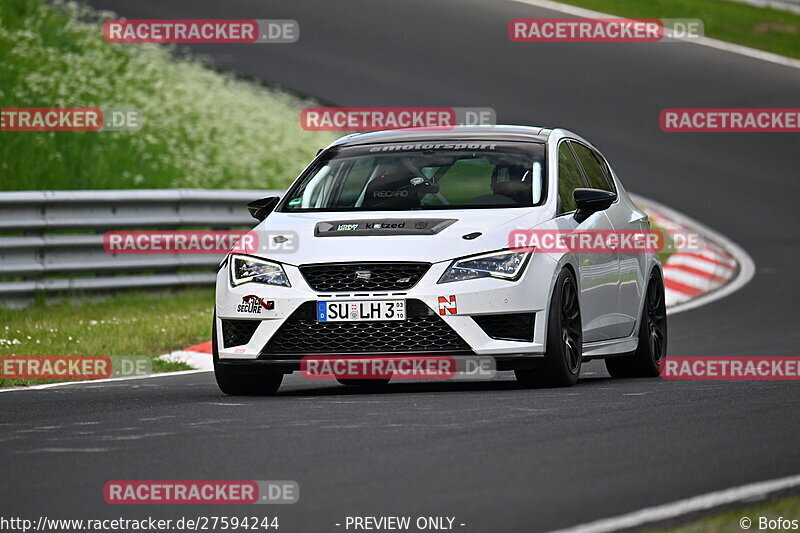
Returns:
(463, 300)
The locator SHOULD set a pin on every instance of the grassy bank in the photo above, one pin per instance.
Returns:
(130, 323)
(201, 128)
(732, 521)
(763, 28)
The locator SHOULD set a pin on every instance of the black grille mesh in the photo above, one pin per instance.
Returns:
(343, 277)
(508, 326)
(237, 332)
(423, 331)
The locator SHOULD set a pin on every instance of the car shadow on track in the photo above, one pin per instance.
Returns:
(399, 387)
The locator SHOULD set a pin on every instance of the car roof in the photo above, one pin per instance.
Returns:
(458, 133)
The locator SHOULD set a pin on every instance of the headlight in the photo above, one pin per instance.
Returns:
(245, 269)
(503, 265)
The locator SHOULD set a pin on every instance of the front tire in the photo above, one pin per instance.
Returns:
(562, 362)
(652, 347)
(242, 380)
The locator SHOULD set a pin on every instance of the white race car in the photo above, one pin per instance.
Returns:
(397, 243)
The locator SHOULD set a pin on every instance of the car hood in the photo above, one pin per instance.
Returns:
(429, 236)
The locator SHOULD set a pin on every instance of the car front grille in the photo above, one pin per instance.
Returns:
(507, 326)
(238, 332)
(349, 277)
(423, 331)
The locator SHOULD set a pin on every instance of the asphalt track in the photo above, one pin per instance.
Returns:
(495, 457)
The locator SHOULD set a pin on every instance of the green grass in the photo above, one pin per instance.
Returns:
(201, 128)
(131, 323)
(728, 522)
(663, 255)
(763, 28)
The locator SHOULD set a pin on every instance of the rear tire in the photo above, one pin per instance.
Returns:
(561, 365)
(646, 360)
(242, 380)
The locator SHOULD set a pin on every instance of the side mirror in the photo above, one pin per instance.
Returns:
(259, 209)
(590, 201)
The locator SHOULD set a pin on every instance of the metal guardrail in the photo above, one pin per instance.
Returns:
(52, 241)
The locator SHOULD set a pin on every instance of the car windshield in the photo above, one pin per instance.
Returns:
(401, 177)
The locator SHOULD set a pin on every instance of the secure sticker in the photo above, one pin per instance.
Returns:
(253, 304)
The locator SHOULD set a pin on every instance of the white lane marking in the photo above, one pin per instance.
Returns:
(713, 256)
(138, 436)
(106, 380)
(700, 264)
(718, 277)
(746, 271)
(702, 41)
(775, 4)
(692, 280)
(64, 450)
(703, 502)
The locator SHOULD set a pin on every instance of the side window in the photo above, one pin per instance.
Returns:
(569, 178)
(595, 172)
(606, 170)
(356, 181)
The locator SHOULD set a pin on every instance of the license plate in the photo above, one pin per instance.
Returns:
(361, 310)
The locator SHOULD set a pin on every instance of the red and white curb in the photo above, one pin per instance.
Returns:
(197, 357)
(689, 274)
(718, 267)
(715, 269)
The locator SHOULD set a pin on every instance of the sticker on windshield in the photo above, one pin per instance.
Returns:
(433, 146)
(295, 201)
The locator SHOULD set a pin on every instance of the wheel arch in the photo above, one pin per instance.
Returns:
(655, 266)
(565, 262)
